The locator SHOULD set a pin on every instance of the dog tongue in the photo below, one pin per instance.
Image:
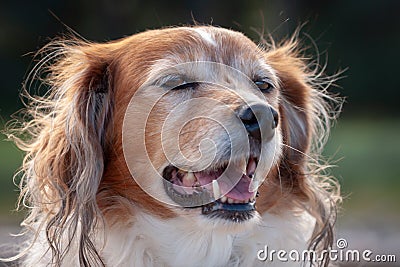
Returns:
(240, 191)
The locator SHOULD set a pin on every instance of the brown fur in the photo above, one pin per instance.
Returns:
(74, 168)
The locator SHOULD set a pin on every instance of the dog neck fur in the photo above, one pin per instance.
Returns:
(154, 242)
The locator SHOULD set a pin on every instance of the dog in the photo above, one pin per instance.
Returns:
(184, 146)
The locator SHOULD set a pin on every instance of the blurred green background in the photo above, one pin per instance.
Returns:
(363, 36)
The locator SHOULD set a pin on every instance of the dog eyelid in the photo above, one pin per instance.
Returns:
(264, 84)
(189, 85)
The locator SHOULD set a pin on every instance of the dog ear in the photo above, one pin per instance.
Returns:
(65, 155)
(295, 111)
(305, 116)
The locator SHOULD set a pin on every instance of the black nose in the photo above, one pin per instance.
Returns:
(257, 118)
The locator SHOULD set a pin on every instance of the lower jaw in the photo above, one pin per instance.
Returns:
(232, 212)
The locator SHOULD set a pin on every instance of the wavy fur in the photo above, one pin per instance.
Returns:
(321, 191)
(68, 133)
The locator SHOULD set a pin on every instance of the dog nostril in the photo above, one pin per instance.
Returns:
(276, 118)
(250, 122)
(268, 119)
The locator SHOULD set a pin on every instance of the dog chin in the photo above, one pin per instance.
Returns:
(229, 226)
(216, 223)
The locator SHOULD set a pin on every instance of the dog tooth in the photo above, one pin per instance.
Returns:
(243, 165)
(181, 172)
(216, 189)
(251, 167)
(230, 200)
(254, 184)
(190, 178)
(236, 201)
(223, 199)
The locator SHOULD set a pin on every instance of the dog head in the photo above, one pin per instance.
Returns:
(196, 122)
(195, 130)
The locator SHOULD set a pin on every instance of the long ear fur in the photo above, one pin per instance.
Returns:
(64, 139)
(307, 110)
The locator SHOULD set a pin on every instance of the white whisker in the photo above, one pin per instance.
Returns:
(302, 153)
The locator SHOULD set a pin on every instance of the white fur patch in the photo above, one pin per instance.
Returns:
(192, 241)
(206, 36)
(186, 242)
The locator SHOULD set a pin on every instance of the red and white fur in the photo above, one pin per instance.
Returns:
(85, 209)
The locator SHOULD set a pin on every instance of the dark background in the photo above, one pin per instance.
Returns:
(362, 36)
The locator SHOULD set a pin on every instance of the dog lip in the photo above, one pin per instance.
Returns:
(232, 212)
(217, 205)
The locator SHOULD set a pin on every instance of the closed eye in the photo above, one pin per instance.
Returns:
(191, 85)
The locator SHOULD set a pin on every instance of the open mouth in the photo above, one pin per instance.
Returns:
(217, 194)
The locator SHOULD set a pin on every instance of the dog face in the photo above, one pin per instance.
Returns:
(196, 123)
(212, 110)
(193, 101)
